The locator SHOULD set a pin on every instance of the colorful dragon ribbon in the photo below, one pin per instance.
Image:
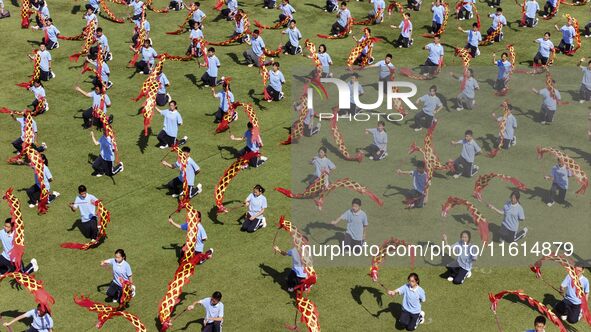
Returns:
(568, 265)
(89, 40)
(182, 160)
(308, 312)
(103, 219)
(339, 140)
(356, 51)
(577, 37)
(297, 128)
(395, 4)
(36, 161)
(110, 13)
(484, 180)
(502, 126)
(523, 21)
(490, 38)
(432, 162)
(311, 47)
(477, 217)
(229, 115)
(142, 35)
(264, 72)
(229, 174)
(25, 14)
(443, 24)
(342, 34)
(18, 228)
(276, 26)
(182, 27)
(571, 165)
(185, 270)
(99, 65)
(377, 260)
(34, 286)
(371, 20)
(29, 133)
(466, 57)
(495, 298)
(237, 19)
(107, 127)
(36, 71)
(150, 6)
(149, 91)
(551, 86)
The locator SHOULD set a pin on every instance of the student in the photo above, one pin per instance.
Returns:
(98, 102)
(378, 150)
(256, 204)
(568, 35)
(230, 11)
(3, 12)
(379, 6)
(18, 143)
(297, 274)
(438, 11)
(39, 91)
(539, 324)
(269, 4)
(513, 214)
(331, 6)
(549, 104)
(90, 16)
(474, 39)
(240, 27)
(412, 297)
(85, 202)
(504, 72)
(498, 21)
(44, 63)
(431, 105)
(465, 12)
(405, 37)
(569, 308)
(252, 145)
(531, 11)
(461, 268)
(292, 46)
(545, 47)
(176, 5)
(7, 240)
(145, 65)
(51, 34)
(466, 98)
(103, 164)
(356, 224)
(162, 97)
(419, 183)
(559, 176)
(310, 127)
(386, 68)
(41, 320)
(354, 88)
(509, 137)
(175, 186)
(101, 40)
(214, 312)
(322, 165)
(138, 9)
(145, 24)
(121, 272)
(198, 15)
(210, 77)
(226, 98)
(326, 61)
(172, 121)
(42, 12)
(195, 38)
(585, 90)
(34, 192)
(343, 17)
(414, 4)
(200, 238)
(276, 81)
(435, 58)
(549, 8)
(464, 164)
(256, 50)
(287, 11)
(102, 79)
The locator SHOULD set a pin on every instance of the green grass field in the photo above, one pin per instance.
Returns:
(244, 267)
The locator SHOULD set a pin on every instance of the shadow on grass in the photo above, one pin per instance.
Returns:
(315, 6)
(487, 142)
(582, 154)
(235, 58)
(395, 309)
(193, 79)
(75, 9)
(538, 192)
(279, 278)
(178, 250)
(404, 192)
(307, 230)
(256, 100)
(358, 290)
(230, 149)
(143, 140)
(530, 114)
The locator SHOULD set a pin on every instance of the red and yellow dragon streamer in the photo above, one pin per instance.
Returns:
(182, 160)
(571, 165)
(18, 228)
(34, 286)
(36, 161)
(577, 37)
(29, 136)
(26, 14)
(466, 57)
(275, 26)
(36, 71)
(502, 126)
(512, 57)
(490, 38)
(229, 174)
(338, 138)
(484, 180)
(264, 72)
(495, 298)
(371, 20)
(477, 217)
(89, 40)
(356, 51)
(149, 91)
(389, 244)
(142, 35)
(182, 27)
(110, 13)
(394, 4)
(150, 6)
(104, 219)
(297, 128)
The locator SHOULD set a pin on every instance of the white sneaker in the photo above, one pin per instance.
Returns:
(44, 145)
(35, 265)
(52, 75)
(581, 101)
(199, 188)
(264, 222)
(418, 129)
(174, 195)
(164, 146)
(550, 204)
(450, 278)
(250, 65)
(421, 317)
(459, 109)
(563, 317)
(514, 141)
(370, 157)
(115, 301)
(263, 158)
(469, 274)
(132, 290)
(456, 176)
(32, 206)
(476, 167)
(543, 122)
(56, 194)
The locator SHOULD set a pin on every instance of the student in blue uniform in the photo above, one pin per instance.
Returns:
(539, 324)
(431, 105)
(45, 73)
(256, 204)
(569, 309)
(568, 35)
(7, 240)
(41, 320)
(545, 47)
(230, 11)
(137, 10)
(251, 146)
(474, 38)
(435, 58)
(438, 11)
(145, 65)
(531, 12)
(34, 192)
(331, 6)
(513, 214)
(559, 176)
(466, 99)
(549, 103)
(257, 49)
(326, 61)
(464, 164)
(121, 271)
(18, 143)
(200, 239)
(287, 11)
(297, 274)
(101, 40)
(378, 149)
(198, 14)
(419, 183)
(96, 95)
(322, 165)
(549, 7)
(466, 11)
(294, 35)
(51, 32)
(85, 202)
(509, 138)
(172, 120)
(343, 17)
(210, 77)
(585, 90)
(356, 224)
(461, 268)
(214, 312)
(103, 164)
(276, 81)
(413, 295)
(504, 71)
(175, 186)
(226, 98)
(386, 69)
(498, 22)
(405, 38)
(162, 97)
